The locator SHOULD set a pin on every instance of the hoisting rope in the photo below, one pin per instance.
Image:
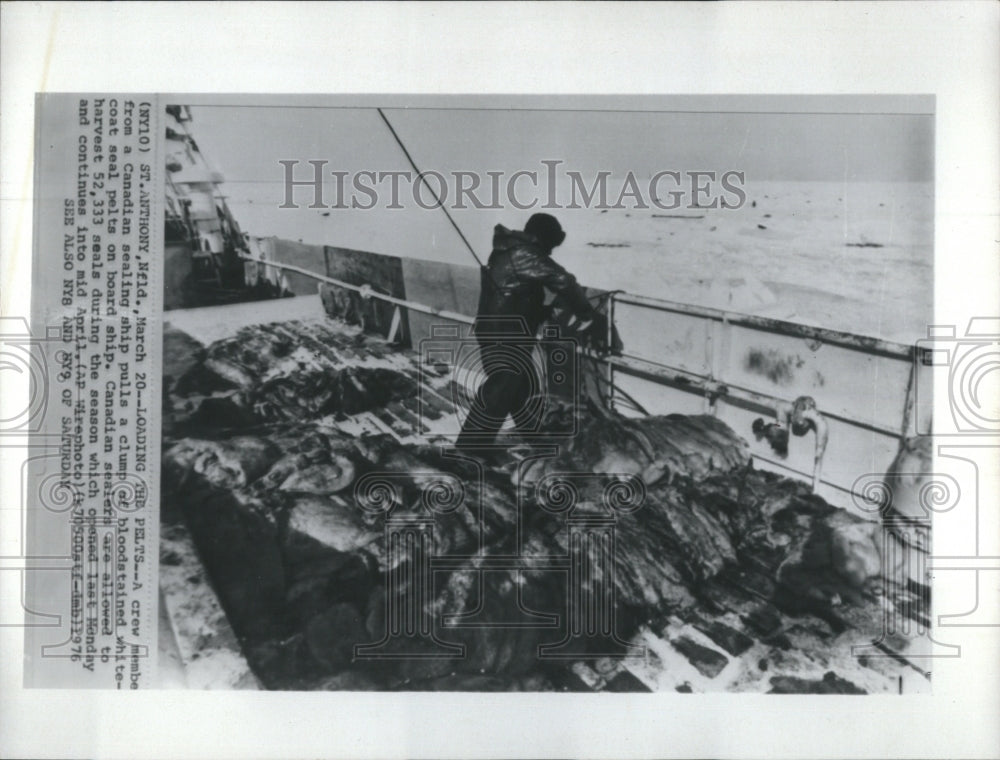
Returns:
(608, 395)
(421, 178)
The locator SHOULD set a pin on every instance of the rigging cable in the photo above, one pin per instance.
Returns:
(613, 387)
(420, 177)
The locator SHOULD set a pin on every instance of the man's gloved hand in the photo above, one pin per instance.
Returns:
(594, 333)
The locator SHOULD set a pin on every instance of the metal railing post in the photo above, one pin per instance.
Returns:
(610, 339)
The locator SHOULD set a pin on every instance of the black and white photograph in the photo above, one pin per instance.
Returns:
(548, 394)
(453, 380)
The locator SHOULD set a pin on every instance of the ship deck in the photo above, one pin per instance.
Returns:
(741, 644)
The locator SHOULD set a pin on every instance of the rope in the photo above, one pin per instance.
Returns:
(601, 296)
(630, 399)
(613, 387)
(420, 176)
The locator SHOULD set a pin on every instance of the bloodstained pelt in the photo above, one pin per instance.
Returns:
(719, 576)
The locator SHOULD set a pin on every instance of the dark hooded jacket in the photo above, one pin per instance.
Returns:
(513, 285)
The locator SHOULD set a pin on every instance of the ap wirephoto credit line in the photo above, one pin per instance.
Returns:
(492, 399)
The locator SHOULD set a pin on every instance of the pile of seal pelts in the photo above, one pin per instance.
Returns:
(358, 562)
(280, 372)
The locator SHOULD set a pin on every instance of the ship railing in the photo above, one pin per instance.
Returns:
(708, 383)
(713, 388)
(367, 291)
(718, 377)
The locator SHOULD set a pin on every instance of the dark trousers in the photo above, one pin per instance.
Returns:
(512, 388)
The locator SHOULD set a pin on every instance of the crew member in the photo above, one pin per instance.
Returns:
(511, 309)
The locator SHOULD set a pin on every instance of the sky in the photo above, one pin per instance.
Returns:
(246, 143)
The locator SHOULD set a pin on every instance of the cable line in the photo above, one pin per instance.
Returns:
(420, 176)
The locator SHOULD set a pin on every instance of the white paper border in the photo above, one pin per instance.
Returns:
(946, 49)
